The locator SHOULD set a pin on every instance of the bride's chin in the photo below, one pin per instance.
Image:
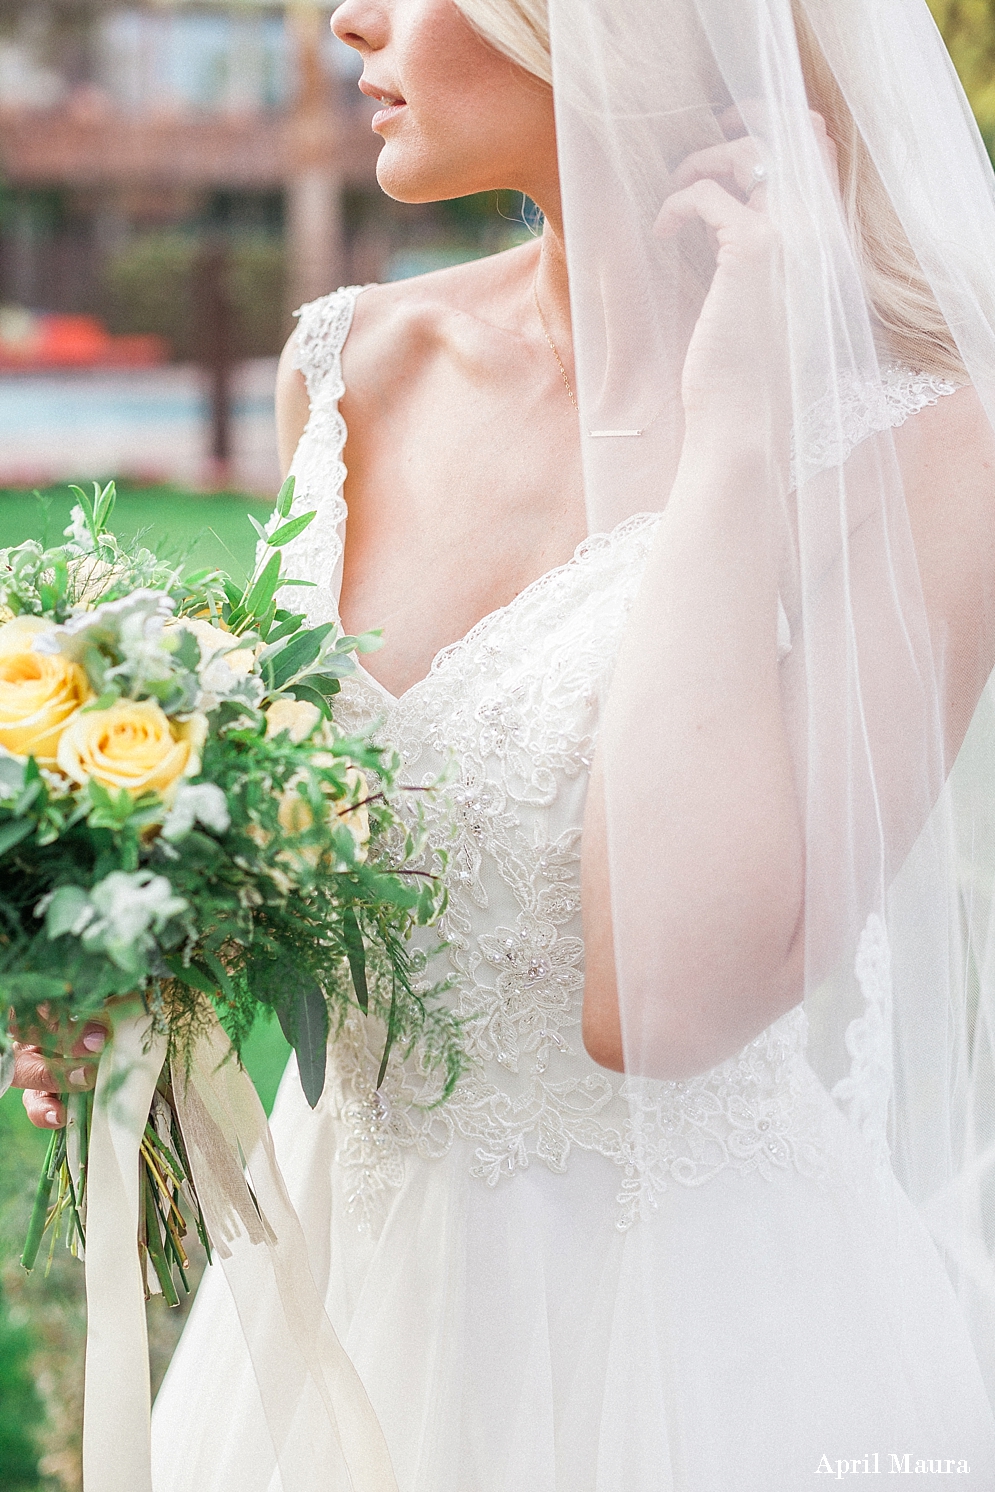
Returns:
(407, 176)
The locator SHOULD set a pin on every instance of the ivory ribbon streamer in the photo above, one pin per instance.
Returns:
(324, 1429)
(116, 1448)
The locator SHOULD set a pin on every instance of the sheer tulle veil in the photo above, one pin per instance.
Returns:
(883, 260)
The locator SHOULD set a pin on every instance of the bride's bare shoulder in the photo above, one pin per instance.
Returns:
(398, 327)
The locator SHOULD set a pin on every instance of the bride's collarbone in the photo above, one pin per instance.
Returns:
(463, 487)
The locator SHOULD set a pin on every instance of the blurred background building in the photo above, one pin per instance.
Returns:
(175, 177)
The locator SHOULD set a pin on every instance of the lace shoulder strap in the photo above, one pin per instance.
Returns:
(322, 328)
(833, 428)
(316, 554)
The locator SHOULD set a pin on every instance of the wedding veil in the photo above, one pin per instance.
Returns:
(884, 306)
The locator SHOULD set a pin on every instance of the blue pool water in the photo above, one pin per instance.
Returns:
(150, 424)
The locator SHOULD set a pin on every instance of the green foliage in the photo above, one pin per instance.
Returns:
(277, 875)
(185, 528)
(150, 287)
(968, 28)
(268, 870)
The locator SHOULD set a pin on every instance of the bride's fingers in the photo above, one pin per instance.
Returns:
(45, 1110)
(718, 209)
(753, 118)
(733, 163)
(78, 1040)
(91, 1040)
(33, 1070)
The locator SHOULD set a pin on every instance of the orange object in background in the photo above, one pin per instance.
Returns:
(32, 341)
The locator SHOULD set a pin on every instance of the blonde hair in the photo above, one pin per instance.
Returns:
(518, 28)
(911, 325)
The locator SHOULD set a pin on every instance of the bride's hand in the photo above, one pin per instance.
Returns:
(735, 370)
(45, 1074)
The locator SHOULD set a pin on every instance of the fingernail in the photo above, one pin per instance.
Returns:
(78, 1076)
(52, 1116)
(95, 1041)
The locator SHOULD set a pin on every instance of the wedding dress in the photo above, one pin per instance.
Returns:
(560, 1279)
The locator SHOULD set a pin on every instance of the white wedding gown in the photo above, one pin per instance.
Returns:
(560, 1281)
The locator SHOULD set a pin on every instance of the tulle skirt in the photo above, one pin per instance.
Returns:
(754, 1334)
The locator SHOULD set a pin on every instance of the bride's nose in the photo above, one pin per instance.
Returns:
(361, 24)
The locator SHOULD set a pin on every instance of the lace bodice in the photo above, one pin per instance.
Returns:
(511, 713)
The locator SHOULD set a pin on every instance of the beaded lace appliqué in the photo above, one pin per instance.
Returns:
(521, 723)
(513, 706)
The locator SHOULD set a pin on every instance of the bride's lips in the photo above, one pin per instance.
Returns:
(392, 103)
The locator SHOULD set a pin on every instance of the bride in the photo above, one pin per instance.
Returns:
(677, 521)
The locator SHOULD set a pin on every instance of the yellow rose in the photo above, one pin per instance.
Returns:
(357, 818)
(39, 692)
(18, 635)
(133, 745)
(297, 716)
(213, 639)
(294, 815)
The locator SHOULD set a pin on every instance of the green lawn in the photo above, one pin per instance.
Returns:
(42, 1316)
(210, 528)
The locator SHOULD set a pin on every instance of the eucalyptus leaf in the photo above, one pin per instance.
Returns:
(32, 989)
(326, 683)
(288, 531)
(314, 697)
(108, 698)
(287, 626)
(370, 642)
(104, 506)
(304, 1021)
(285, 501)
(13, 832)
(356, 954)
(262, 592)
(299, 654)
(28, 797)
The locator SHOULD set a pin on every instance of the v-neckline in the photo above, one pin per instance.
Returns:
(580, 554)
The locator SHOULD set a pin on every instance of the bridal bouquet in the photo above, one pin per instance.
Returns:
(185, 832)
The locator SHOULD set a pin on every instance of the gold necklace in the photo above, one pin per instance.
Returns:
(552, 348)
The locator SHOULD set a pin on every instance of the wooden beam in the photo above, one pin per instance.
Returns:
(106, 149)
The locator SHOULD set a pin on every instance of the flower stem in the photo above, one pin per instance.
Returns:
(39, 1212)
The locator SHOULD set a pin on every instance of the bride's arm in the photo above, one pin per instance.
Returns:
(292, 405)
(697, 694)
(698, 707)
